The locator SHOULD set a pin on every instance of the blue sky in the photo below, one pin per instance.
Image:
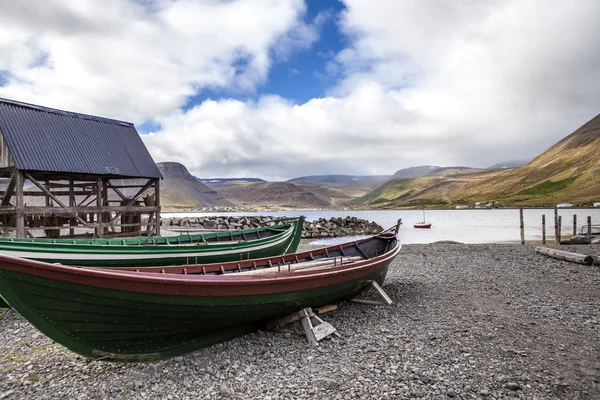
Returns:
(301, 74)
(276, 89)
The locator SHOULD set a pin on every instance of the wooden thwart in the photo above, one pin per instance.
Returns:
(386, 299)
(566, 255)
(301, 266)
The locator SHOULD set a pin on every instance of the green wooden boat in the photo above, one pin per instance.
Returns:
(156, 313)
(240, 234)
(206, 248)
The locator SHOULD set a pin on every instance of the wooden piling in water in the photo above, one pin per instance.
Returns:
(589, 229)
(574, 224)
(522, 225)
(544, 228)
(556, 235)
(559, 229)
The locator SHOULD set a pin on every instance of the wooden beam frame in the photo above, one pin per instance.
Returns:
(9, 190)
(53, 197)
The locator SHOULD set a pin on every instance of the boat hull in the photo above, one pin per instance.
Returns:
(422, 226)
(132, 321)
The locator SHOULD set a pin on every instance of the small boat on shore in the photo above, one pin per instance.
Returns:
(174, 250)
(157, 313)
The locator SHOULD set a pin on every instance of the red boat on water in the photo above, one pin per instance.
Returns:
(423, 224)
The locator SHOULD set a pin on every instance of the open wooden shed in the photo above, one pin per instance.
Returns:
(70, 174)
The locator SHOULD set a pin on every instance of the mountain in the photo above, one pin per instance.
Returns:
(423, 170)
(180, 189)
(272, 195)
(212, 181)
(341, 179)
(565, 173)
(508, 164)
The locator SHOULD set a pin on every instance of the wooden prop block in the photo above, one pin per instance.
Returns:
(314, 332)
(386, 299)
(566, 255)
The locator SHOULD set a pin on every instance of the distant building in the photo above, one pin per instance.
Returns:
(563, 205)
(461, 207)
(597, 204)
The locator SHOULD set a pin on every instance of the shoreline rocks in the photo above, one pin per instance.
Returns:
(321, 228)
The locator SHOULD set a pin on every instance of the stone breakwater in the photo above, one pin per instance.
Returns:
(321, 228)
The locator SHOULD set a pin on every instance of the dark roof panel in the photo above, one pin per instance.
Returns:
(45, 139)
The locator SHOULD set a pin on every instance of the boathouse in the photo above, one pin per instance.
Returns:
(69, 174)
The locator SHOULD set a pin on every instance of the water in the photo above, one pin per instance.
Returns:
(465, 226)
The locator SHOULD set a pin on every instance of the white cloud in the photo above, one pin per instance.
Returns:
(444, 83)
(137, 61)
(424, 82)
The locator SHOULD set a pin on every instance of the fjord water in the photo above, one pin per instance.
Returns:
(465, 226)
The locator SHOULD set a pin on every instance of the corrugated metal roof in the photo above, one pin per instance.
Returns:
(45, 139)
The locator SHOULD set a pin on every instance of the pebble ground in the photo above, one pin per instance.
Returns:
(486, 321)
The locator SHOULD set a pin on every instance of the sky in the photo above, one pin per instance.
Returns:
(277, 89)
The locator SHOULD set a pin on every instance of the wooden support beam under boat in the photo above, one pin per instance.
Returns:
(386, 299)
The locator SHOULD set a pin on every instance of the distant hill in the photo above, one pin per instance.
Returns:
(568, 172)
(271, 195)
(212, 181)
(423, 170)
(341, 178)
(180, 189)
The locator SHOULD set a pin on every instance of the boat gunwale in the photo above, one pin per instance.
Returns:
(194, 285)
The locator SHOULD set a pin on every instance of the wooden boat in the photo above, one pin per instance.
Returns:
(146, 315)
(239, 234)
(422, 224)
(208, 248)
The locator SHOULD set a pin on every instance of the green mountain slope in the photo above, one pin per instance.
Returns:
(566, 172)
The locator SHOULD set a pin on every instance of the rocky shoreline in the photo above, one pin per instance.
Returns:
(486, 321)
(321, 228)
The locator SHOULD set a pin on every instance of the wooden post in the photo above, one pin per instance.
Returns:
(574, 224)
(589, 229)
(19, 204)
(72, 220)
(556, 239)
(559, 229)
(522, 225)
(157, 202)
(99, 203)
(544, 228)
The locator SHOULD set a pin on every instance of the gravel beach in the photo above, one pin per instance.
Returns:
(468, 321)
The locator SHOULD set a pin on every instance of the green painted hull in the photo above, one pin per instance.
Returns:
(132, 327)
(283, 240)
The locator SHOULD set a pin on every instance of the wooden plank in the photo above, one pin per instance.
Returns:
(324, 309)
(566, 255)
(301, 266)
(77, 209)
(381, 292)
(290, 318)
(9, 190)
(322, 330)
(19, 204)
(308, 331)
